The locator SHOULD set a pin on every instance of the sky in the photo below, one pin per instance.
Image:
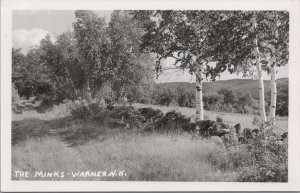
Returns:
(29, 27)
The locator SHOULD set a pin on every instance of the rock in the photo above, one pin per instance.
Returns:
(207, 127)
(238, 129)
(219, 119)
(149, 113)
(247, 133)
(255, 132)
(221, 132)
(241, 139)
(220, 126)
(284, 135)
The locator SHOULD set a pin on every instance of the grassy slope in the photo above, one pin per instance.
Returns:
(240, 85)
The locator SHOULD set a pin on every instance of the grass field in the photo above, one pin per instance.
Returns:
(53, 141)
(142, 157)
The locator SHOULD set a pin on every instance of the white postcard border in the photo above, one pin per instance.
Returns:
(7, 6)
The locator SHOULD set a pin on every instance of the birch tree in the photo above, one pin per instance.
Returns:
(60, 59)
(273, 28)
(259, 72)
(181, 35)
(239, 48)
(131, 69)
(93, 46)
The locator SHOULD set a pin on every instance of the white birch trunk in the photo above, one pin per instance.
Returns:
(260, 79)
(273, 92)
(260, 87)
(273, 79)
(87, 91)
(199, 97)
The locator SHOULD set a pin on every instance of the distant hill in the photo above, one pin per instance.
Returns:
(238, 85)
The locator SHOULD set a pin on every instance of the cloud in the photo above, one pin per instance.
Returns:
(23, 38)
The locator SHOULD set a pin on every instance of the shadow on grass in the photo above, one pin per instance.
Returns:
(69, 130)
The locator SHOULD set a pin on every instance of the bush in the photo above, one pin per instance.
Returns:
(282, 106)
(271, 158)
(165, 97)
(262, 159)
(129, 115)
(82, 109)
(234, 157)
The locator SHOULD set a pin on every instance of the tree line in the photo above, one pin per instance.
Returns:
(225, 100)
(115, 60)
(94, 60)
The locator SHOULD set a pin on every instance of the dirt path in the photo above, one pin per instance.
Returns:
(55, 113)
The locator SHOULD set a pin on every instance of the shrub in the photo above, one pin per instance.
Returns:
(164, 97)
(262, 159)
(234, 157)
(130, 116)
(248, 110)
(79, 108)
(212, 101)
(271, 158)
(82, 109)
(282, 106)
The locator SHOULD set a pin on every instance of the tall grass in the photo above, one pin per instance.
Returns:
(92, 144)
(143, 158)
(43, 154)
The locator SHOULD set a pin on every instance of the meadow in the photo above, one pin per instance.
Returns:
(55, 141)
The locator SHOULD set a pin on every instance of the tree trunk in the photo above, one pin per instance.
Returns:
(273, 78)
(261, 88)
(273, 92)
(259, 76)
(71, 82)
(87, 91)
(199, 97)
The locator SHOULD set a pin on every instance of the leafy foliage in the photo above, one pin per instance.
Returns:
(29, 78)
(271, 159)
(86, 62)
(181, 35)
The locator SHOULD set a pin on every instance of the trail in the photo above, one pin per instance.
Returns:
(67, 146)
(55, 112)
(27, 110)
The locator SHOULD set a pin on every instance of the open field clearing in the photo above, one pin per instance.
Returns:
(142, 158)
(90, 149)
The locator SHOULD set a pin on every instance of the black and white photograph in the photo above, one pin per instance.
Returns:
(151, 95)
